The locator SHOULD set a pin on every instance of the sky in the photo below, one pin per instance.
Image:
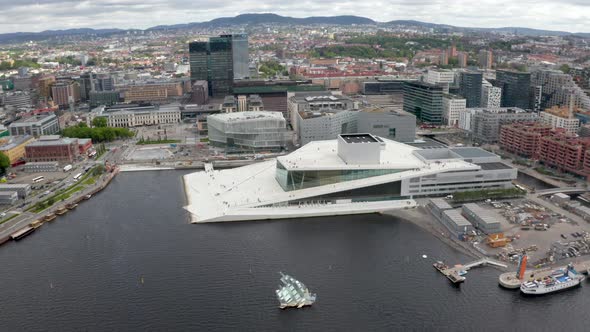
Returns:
(39, 15)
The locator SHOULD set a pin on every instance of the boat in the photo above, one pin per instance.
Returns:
(49, 217)
(71, 206)
(21, 233)
(293, 293)
(61, 211)
(559, 279)
(87, 197)
(36, 224)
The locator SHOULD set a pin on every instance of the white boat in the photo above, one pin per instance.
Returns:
(293, 293)
(558, 280)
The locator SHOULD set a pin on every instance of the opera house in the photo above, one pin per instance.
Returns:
(354, 174)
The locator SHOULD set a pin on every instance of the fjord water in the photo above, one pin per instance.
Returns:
(128, 260)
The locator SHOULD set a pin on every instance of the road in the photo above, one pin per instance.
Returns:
(25, 218)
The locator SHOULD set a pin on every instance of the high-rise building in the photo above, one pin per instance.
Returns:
(470, 88)
(523, 138)
(485, 59)
(558, 88)
(491, 96)
(45, 85)
(424, 100)
(516, 88)
(200, 93)
(65, 93)
(452, 107)
(462, 59)
(219, 61)
(241, 60)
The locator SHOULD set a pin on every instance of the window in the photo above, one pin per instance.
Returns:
(392, 132)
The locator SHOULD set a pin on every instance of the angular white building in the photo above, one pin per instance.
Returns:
(452, 107)
(252, 131)
(354, 174)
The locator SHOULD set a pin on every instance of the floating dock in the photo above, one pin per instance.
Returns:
(454, 274)
(21, 233)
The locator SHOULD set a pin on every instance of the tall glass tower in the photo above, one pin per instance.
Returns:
(220, 61)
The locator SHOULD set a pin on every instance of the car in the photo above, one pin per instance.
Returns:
(563, 236)
(3, 214)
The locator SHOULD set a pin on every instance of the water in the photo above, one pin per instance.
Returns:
(533, 182)
(127, 260)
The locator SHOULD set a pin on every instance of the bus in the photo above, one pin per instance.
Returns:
(38, 179)
(77, 176)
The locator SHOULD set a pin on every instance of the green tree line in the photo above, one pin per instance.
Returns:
(97, 134)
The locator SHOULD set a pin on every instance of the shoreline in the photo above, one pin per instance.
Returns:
(421, 218)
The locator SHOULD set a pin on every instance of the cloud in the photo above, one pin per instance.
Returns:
(38, 15)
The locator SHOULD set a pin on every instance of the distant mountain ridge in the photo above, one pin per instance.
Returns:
(269, 18)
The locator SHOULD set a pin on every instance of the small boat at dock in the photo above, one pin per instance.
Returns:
(61, 211)
(87, 197)
(36, 224)
(71, 206)
(49, 217)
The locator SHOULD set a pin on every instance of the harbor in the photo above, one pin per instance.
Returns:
(30, 223)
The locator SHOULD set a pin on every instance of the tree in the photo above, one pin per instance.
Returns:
(4, 162)
(99, 122)
(565, 68)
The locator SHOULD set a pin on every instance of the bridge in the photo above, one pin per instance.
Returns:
(567, 190)
(484, 262)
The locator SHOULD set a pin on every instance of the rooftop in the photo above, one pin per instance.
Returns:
(457, 218)
(14, 141)
(472, 152)
(359, 138)
(53, 142)
(236, 116)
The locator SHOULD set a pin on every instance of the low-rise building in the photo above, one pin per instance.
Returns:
(249, 131)
(23, 190)
(38, 125)
(47, 166)
(8, 197)
(14, 147)
(133, 115)
(486, 221)
(561, 117)
(53, 148)
(486, 122)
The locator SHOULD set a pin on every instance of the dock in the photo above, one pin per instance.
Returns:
(455, 274)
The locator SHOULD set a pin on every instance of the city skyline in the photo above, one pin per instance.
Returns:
(35, 16)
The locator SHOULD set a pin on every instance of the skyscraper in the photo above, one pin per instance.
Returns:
(516, 88)
(424, 100)
(241, 60)
(470, 88)
(219, 61)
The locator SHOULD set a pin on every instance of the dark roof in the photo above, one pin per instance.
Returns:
(493, 166)
(359, 138)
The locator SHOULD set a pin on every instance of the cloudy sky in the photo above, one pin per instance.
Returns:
(38, 15)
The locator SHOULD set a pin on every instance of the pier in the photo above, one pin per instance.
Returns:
(455, 274)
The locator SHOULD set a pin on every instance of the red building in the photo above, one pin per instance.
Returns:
(84, 144)
(565, 152)
(523, 138)
(53, 148)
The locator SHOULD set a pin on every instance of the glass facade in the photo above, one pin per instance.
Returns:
(296, 180)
